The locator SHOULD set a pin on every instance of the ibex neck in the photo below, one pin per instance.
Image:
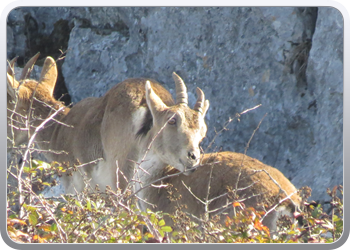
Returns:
(150, 170)
(53, 122)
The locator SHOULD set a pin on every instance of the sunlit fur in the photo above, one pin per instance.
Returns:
(224, 168)
(107, 128)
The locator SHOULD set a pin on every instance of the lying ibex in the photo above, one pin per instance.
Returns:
(135, 125)
(258, 185)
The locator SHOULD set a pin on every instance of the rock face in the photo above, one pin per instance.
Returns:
(290, 60)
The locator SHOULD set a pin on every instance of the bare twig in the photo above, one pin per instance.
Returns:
(245, 152)
(224, 128)
(31, 140)
(88, 163)
(151, 143)
(159, 186)
(189, 190)
(149, 184)
(274, 207)
(15, 105)
(247, 110)
(207, 203)
(136, 173)
(274, 181)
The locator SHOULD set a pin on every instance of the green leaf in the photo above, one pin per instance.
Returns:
(161, 223)
(153, 218)
(88, 205)
(33, 218)
(335, 218)
(53, 227)
(329, 240)
(123, 214)
(30, 208)
(166, 229)
(26, 169)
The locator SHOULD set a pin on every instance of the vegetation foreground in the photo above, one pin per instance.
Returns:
(112, 217)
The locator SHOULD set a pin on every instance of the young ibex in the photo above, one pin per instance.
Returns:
(258, 185)
(118, 127)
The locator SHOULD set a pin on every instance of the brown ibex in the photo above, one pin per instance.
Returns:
(214, 183)
(135, 125)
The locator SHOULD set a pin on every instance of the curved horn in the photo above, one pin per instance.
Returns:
(181, 90)
(29, 67)
(11, 66)
(12, 84)
(200, 101)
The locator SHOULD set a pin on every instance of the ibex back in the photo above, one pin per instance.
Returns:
(257, 185)
(118, 127)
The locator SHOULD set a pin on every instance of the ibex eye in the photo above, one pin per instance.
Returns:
(172, 121)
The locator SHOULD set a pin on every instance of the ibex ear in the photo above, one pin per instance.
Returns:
(48, 75)
(155, 104)
(206, 107)
(12, 84)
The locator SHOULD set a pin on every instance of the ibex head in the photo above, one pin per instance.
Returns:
(29, 97)
(178, 142)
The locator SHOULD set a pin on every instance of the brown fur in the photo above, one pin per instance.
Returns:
(225, 170)
(117, 127)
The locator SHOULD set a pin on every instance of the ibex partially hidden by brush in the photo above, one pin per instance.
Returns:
(221, 176)
(136, 121)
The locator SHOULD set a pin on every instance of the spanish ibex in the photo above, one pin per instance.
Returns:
(135, 125)
(219, 178)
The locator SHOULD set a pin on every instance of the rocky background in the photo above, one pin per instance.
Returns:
(290, 60)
